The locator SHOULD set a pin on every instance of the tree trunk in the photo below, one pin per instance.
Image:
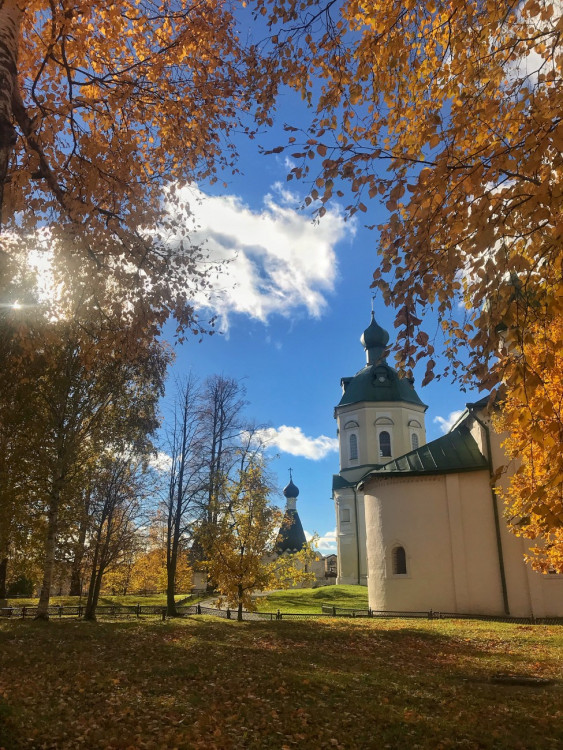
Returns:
(10, 19)
(3, 573)
(50, 550)
(76, 573)
(239, 612)
(90, 613)
(94, 594)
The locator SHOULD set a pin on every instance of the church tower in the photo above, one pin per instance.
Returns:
(379, 417)
(291, 537)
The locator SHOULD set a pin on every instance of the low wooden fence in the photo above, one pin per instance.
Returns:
(114, 611)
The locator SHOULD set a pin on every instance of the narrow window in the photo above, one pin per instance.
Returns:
(345, 515)
(353, 447)
(399, 560)
(384, 444)
(414, 441)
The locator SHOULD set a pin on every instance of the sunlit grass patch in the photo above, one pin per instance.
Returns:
(311, 600)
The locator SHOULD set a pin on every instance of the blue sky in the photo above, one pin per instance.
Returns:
(292, 304)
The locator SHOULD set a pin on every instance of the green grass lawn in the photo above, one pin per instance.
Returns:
(311, 600)
(329, 683)
(73, 601)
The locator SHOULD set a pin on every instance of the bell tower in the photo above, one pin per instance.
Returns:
(379, 417)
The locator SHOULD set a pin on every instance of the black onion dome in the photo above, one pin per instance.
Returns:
(291, 490)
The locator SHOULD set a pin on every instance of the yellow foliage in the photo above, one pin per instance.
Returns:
(532, 415)
(461, 102)
(240, 547)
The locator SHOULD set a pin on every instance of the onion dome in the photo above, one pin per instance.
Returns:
(377, 381)
(374, 340)
(291, 490)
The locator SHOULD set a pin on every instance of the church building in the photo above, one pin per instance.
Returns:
(420, 523)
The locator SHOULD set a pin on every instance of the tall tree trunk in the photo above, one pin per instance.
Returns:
(90, 613)
(3, 573)
(10, 19)
(50, 550)
(173, 536)
(239, 612)
(76, 573)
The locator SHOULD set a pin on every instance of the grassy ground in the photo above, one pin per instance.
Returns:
(73, 601)
(204, 683)
(310, 600)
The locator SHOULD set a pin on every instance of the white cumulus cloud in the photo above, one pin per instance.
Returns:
(292, 440)
(279, 260)
(446, 423)
(325, 543)
(161, 462)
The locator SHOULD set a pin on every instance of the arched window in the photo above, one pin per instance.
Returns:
(384, 444)
(399, 561)
(414, 441)
(353, 447)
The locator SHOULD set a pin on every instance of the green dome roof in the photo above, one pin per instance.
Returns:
(378, 383)
(374, 335)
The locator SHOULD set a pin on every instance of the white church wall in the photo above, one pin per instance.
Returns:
(368, 420)
(350, 525)
(413, 512)
(480, 544)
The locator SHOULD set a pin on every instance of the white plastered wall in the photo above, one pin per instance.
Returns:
(371, 419)
(350, 505)
(448, 568)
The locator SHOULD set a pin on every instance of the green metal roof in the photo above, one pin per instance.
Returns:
(378, 382)
(456, 451)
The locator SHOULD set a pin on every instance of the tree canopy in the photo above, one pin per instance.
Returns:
(105, 109)
(449, 113)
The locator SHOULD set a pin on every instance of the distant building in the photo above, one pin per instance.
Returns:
(418, 522)
(291, 537)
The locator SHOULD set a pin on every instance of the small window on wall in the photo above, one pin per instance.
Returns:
(414, 441)
(353, 447)
(384, 444)
(399, 561)
(344, 515)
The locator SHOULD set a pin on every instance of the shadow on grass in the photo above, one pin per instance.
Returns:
(326, 683)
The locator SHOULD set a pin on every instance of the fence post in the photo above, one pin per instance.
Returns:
(23, 612)
(334, 611)
(138, 610)
(79, 611)
(279, 615)
(198, 609)
(430, 615)
(228, 614)
(370, 612)
(60, 611)
(164, 615)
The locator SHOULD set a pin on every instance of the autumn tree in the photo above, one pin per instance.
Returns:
(221, 425)
(450, 114)
(240, 546)
(85, 401)
(185, 480)
(115, 507)
(105, 111)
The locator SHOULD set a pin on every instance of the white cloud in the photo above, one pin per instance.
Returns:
(292, 440)
(325, 543)
(161, 462)
(279, 260)
(447, 423)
